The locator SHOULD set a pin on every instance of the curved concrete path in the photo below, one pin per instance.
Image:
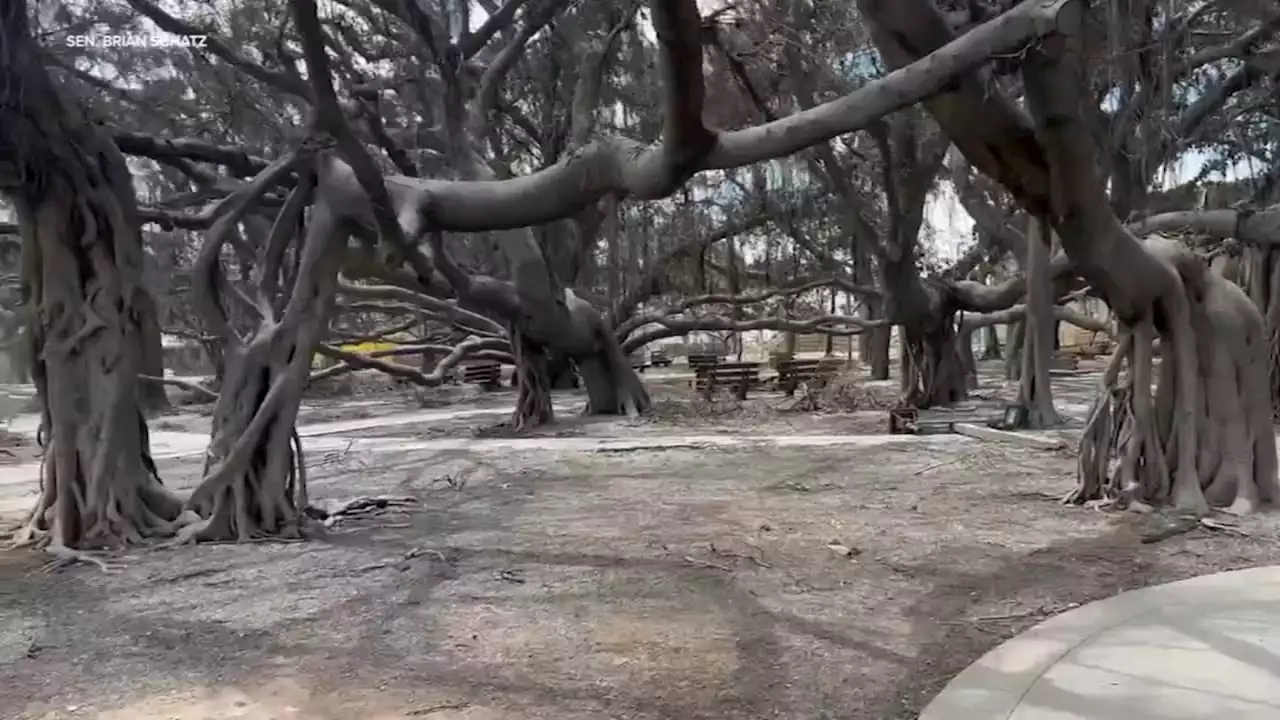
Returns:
(1208, 647)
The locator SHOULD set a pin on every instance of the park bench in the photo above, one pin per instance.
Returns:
(793, 372)
(660, 358)
(487, 375)
(638, 362)
(741, 377)
(698, 361)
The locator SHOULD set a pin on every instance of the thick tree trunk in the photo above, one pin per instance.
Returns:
(1036, 394)
(1263, 283)
(533, 381)
(1013, 350)
(964, 343)
(879, 340)
(255, 476)
(1206, 438)
(613, 386)
(83, 272)
(152, 395)
(560, 372)
(991, 344)
(933, 369)
(99, 486)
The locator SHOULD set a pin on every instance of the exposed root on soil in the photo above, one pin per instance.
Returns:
(1205, 437)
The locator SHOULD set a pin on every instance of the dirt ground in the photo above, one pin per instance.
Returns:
(760, 567)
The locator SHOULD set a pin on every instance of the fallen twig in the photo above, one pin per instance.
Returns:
(944, 463)
(414, 553)
(334, 512)
(745, 556)
(439, 708)
(704, 564)
(511, 576)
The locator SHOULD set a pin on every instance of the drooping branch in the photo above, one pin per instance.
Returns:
(470, 321)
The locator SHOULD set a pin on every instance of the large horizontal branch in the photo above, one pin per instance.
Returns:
(1254, 227)
(623, 166)
(1018, 312)
(237, 160)
(972, 296)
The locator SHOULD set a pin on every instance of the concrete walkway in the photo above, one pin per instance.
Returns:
(1208, 647)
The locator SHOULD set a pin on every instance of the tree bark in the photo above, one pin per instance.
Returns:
(1036, 393)
(991, 344)
(255, 477)
(83, 270)
(1013, 350)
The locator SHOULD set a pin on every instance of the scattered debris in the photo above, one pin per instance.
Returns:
(843, 550)
(333, 511)
(402, 562)
(944, 463)
(1183, 525)
(457, 482)
(704, 564)
(511, 576)
(745, 556)
(438, 708)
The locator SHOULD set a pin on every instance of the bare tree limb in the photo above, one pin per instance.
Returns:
(278, 80)
(1256, 228)
(620, 165)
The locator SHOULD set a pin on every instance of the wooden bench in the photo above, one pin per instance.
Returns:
(638, 363)
(698, 361)
(487, 375)
(793, 372)
(741, 377)
(660, 358)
